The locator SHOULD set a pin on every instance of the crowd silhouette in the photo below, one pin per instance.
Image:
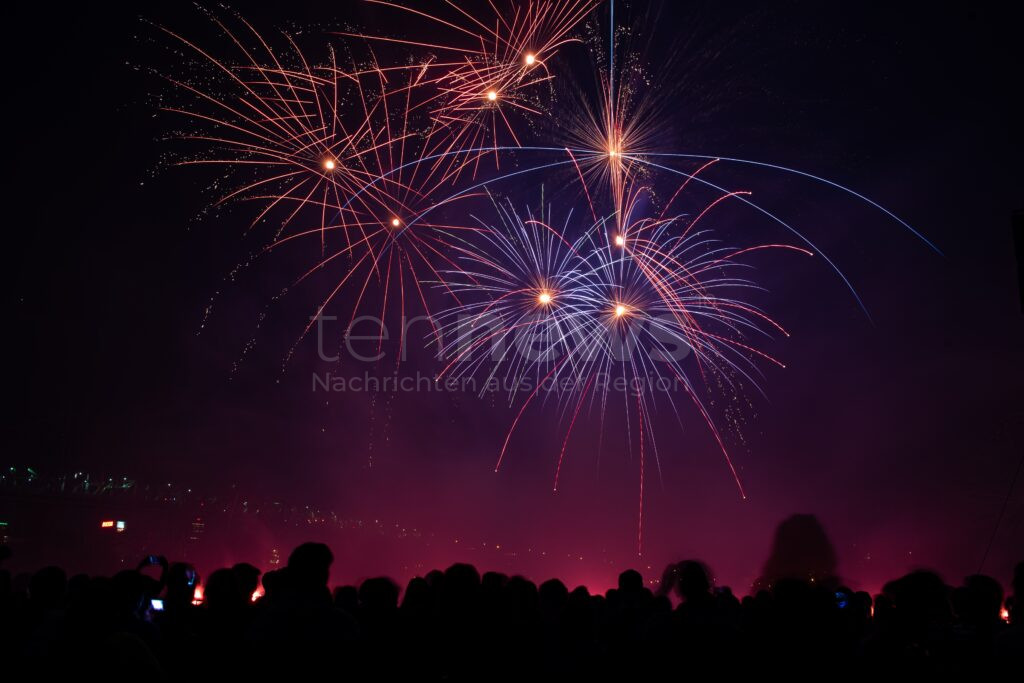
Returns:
(457, 624)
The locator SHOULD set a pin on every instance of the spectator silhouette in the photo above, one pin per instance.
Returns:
(913, 619)
(458, 626)
(222, 594)
(801, 550)
(181, 583)
(299, 630)
(1009, 644)
(247, 577)
(309, 568)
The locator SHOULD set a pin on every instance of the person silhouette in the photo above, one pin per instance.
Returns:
(800, 550)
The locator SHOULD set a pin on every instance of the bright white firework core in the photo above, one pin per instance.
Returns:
(544, 298)
(620, 241)
(530, 59)
(620, 310)
(492, 95)
(329, 164)
(395, 222)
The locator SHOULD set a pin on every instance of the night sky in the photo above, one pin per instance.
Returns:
(900, 431)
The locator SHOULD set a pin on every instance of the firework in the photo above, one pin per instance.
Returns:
(560, 318)
(325, 154)
(368, 154)
(490, 70)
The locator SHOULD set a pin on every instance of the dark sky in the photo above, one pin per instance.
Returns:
(900, 431)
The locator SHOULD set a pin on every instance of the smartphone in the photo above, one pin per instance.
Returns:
(156, 605)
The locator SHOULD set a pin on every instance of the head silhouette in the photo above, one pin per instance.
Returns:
(801, 550)
(981, 600)
(309, 568)
(553, 596)
(693, 580)
(919, 599)
(181, 586)
(630, 581)
(379, 594)
(222, 592)
(248, 578)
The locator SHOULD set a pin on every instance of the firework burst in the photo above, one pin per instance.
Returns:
(489, 71)
(371, 164)
(565, 320)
